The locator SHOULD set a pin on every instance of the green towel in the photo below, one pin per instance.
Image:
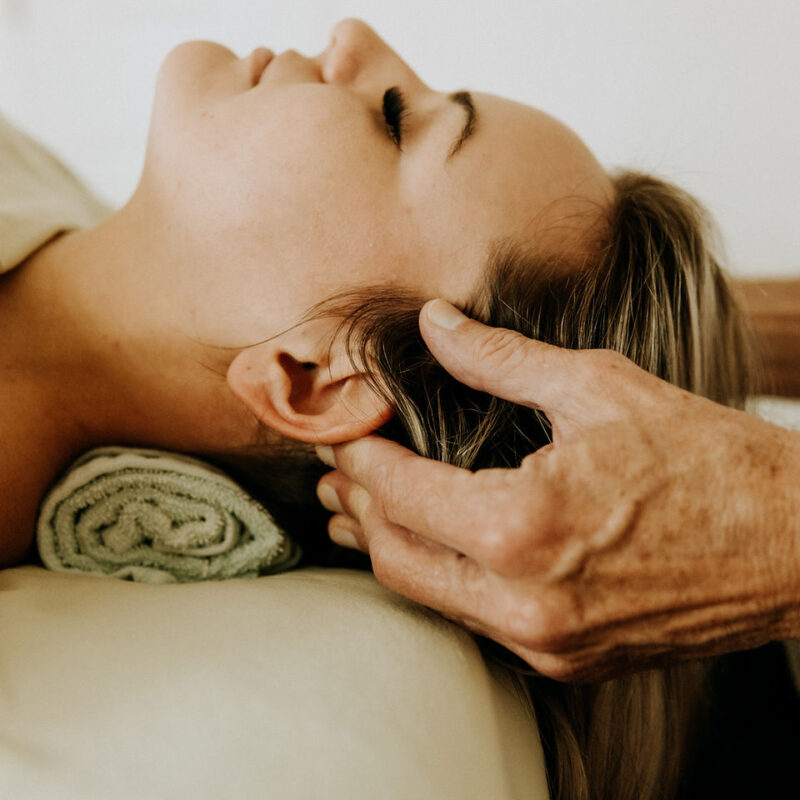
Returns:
(157, 517)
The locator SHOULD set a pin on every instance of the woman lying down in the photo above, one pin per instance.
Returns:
(259, 292)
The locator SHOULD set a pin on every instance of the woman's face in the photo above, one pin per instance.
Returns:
(280, 186)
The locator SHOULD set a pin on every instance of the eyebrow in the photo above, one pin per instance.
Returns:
(464, 99)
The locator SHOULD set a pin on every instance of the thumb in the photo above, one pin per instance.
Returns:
(500, 361)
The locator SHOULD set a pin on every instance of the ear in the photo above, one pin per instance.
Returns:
(300, 385)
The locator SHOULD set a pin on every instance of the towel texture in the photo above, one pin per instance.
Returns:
(157, 517)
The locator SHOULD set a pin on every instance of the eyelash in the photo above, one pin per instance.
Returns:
(395, 113)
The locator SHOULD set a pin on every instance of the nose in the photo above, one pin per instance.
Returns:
(357, 55)
(351, 48)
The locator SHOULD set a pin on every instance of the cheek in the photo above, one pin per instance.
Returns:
(299, 172)
(284, 200)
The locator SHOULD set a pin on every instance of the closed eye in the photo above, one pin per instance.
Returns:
(395, 113)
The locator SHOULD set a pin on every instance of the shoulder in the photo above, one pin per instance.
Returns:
(39, 197)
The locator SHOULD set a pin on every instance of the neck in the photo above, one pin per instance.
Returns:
(91, 356)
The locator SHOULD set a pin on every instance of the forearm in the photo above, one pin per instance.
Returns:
(774, 310)
(786, 492)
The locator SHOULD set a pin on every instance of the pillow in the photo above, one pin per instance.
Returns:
(317, 683)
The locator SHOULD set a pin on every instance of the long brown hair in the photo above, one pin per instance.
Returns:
(652, 290)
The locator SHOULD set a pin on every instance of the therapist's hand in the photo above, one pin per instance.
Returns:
(657, 526)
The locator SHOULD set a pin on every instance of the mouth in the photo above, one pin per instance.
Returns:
(259, 60)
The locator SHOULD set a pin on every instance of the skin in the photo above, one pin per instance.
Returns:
(171, 324)
(626, 544)
(300, 168)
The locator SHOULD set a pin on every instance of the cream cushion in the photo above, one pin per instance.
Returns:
(316, 683)
(39, 197)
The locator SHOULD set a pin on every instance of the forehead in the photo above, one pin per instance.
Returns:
(523, 175)
(534, 172)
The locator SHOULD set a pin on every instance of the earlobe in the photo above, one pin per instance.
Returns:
(306, 391)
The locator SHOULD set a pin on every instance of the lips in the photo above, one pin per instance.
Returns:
(259, 60)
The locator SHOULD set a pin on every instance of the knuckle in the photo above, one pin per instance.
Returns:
(509, 544)
(383, 489)
(600, 363)
(503, 348)
(380, 555)
(543, 623)
(494, 551)
(504, 546)
(608, 375)
(524, 624)
(560, 669)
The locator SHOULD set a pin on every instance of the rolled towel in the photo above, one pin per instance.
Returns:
(157, 517)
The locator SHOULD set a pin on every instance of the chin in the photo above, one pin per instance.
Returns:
(191, 64)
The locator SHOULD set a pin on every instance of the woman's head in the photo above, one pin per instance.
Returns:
(283, 186)
(289, 185)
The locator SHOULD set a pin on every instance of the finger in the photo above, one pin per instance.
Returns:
(342, 496)
(347, 533)
(424, 571)
(467, 512)
(502, 362)
(460, 590)
(455, 586)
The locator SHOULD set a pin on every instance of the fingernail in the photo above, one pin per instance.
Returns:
(344, 538)
(441, 313)
(328, 497)
(325, 454)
